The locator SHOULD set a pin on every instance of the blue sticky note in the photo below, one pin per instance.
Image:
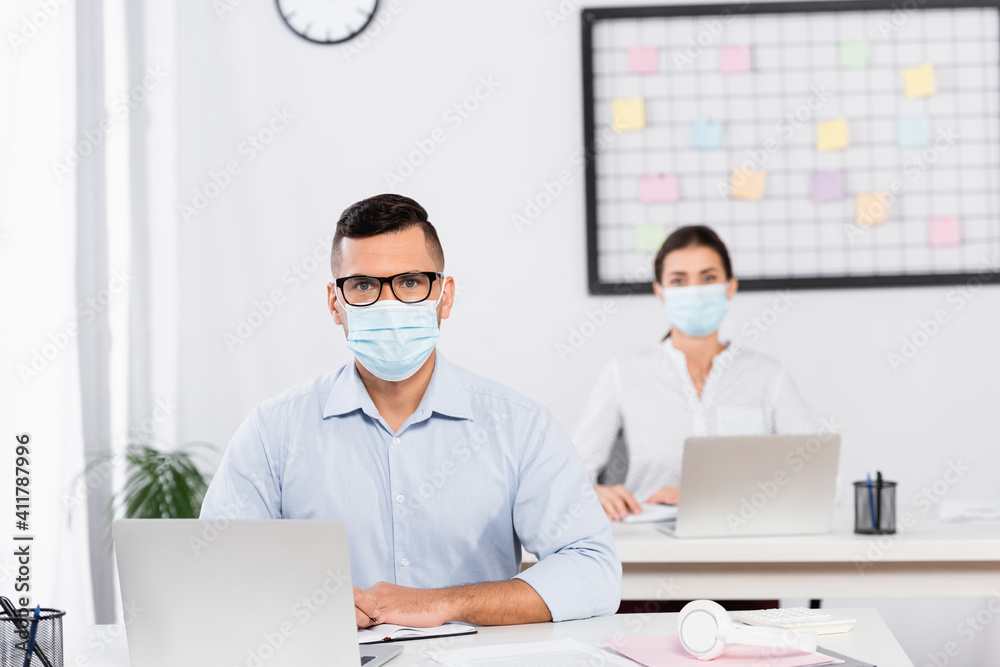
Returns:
(707, 134)
(913, 131)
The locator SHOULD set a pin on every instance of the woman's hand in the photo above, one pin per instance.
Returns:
(668, 495)
(617, 502)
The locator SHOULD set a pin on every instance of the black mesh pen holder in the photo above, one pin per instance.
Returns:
(874, 508)
(15, 634)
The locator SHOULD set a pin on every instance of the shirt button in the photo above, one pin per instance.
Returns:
(395, 441)
(399, 498)
(404, 562)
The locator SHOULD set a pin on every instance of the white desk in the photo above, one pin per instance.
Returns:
(105, 646)
(931, 559)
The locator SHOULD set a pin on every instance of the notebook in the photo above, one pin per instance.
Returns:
(386, 632)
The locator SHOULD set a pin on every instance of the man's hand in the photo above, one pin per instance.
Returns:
(617, 502)
(668, 495)
(365, 608)
(416, 607)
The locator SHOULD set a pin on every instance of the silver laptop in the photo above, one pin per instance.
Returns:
(239, 593)
(756, 485)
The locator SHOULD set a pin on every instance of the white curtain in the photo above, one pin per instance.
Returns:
(40, 391)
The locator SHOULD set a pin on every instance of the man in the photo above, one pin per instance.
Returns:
(440, 475)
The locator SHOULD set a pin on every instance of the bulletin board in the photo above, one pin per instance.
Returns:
(831, 144)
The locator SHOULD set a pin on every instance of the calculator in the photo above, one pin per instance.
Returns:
(796, 618)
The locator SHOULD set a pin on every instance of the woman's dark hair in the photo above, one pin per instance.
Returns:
(384, 214)
(685, 237)
(692, 235)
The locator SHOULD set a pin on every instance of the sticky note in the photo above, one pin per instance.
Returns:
(826, 186)
(853, 54)
(945, 232)
(658, 189)
(832, 135)
(649, 238)
(734, 59)
(707, 135)
(628, 113)
(872, 208)
(642, 59)
(747, 184)
(919, 81)
(913, 131)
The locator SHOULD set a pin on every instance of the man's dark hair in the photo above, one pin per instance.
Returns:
(384, 214)
(693, 235)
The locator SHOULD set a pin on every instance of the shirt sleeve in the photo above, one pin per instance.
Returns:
(598, 429)
(792, 415)
(558, 518)
(247, 483)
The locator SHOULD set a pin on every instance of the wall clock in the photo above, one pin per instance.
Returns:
(327, 21)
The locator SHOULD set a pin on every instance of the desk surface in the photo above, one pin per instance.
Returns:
(926, 541)
(105, 646)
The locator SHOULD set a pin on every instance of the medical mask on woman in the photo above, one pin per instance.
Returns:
(392, 339)
(697, 310)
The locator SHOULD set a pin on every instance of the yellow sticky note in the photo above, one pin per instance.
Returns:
(920, 81)
(649, 238)
(747, 184)
(832, 135)
(628, 114)
(872, 208)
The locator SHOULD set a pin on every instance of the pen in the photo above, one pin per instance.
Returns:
(878, 499)
(871, 503)
(31, 636)
(11, 612)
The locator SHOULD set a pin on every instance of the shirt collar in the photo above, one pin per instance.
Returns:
(444, 396)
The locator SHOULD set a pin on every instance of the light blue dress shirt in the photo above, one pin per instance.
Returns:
(448, 499)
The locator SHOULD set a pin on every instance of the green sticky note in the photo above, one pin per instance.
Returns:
(854, 54)
(649, 238)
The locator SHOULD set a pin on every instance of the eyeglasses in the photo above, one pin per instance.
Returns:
(407, 287)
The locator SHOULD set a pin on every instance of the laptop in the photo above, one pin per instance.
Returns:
(756, 485)
(239, 593)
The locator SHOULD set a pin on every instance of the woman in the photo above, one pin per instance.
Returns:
(690, 385)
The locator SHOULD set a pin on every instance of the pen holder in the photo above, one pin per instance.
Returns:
(48, 647)
(874, 511)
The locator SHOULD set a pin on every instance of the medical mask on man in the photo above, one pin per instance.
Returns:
(392, 339)
(696, 310)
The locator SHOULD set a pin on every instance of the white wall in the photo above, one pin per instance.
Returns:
(521, 292)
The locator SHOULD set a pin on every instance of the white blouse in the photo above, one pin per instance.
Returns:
(650, 400)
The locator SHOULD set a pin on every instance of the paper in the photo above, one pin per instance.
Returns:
(667, 651)
(945, 232)
(649, 238)
(565, 653)
(919, 81)
(913, 131)
(735, 59)
(853, 54)
(388, 632)
(642, 59)
(652, 513)
(628, 114)
(658, 189)
(954, 511)
(707, 134)
(872, 208)
(832, 135)
(747, 185)
(826, 186)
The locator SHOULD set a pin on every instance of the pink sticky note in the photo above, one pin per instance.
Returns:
(667, 651)
(735, 59)
(642, 59)
(945, 231)
(658, 189)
